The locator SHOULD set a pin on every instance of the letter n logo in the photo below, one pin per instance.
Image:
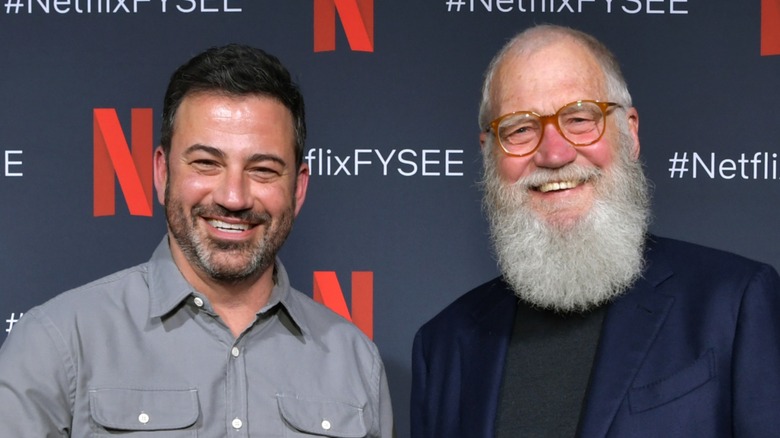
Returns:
(357, 17)
(770, 27)
(112, 157)
(328, 292)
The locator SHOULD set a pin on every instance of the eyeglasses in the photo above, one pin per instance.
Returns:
(582, 123)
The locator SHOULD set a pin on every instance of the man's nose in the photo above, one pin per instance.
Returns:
(554, 150)
(233, 191)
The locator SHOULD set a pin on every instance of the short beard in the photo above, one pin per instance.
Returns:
(575, 266)
(210, 256)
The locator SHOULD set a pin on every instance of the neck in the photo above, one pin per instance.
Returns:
(236, 303)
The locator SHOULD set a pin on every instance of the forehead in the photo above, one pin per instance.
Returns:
(548, 77)
(246, 108)
(224, 120)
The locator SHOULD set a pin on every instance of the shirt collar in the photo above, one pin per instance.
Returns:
(289, 298)
(168, 288)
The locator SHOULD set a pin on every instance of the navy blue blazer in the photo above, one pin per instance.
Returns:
(691, 350)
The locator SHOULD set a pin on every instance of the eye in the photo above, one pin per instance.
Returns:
(520, 132)
(265, 172)
(204, 164)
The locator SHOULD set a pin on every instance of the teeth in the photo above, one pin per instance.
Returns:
(224, 226)
(558, 185)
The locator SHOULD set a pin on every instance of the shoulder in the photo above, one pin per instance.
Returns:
(325, 325)
(685, 258)
(103, 288)
(702, 274)
(96, 299)
(56, 328)
(487, 302)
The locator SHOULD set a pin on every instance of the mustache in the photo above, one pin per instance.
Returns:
(248, 216)
(572, 172)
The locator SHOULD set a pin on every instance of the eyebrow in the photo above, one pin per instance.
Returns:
(204, 148)
(254, 158)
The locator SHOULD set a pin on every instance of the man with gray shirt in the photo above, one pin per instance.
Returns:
(208, 338)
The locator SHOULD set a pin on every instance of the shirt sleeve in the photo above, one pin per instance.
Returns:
(386, 426)
(756, 371)
(34, 380)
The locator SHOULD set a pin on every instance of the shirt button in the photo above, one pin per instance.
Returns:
(325, 424)
(198, 301)
(235, 351)
(236, 423)
(143, 418)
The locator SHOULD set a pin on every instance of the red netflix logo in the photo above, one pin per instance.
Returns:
(328, 292)
(357, 18)
(112, 157)
(770, 27)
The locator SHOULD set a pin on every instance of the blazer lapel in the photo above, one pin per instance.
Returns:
(629, 328)
(483, 355)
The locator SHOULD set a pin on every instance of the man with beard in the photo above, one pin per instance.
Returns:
(595, 328)
(208, 338)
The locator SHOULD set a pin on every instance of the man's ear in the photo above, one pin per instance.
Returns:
(633, 129)
(160, 174)
(301, 184)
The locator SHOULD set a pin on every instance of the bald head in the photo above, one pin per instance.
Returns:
(537, 38)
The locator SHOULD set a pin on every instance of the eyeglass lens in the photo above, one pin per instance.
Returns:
(581, 123)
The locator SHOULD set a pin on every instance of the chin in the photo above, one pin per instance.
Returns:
(563, 219)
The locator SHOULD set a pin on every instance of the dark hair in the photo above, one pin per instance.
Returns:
(238, 70)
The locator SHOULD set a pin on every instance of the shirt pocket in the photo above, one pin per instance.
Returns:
(306, 416)
(680, 383)
(144, 412)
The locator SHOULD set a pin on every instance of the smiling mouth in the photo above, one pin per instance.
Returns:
(230, 228)
(556, 186)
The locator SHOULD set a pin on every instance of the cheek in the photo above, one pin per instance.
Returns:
(189, 189)
(274, 198)
(600, 155)
(510, 169)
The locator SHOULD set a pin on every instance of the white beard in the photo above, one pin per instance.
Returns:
(576, 266)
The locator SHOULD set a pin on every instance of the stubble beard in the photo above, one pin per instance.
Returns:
(227, 262)
(571, 266)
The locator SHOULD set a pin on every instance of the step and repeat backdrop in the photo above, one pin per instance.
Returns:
(392, 228)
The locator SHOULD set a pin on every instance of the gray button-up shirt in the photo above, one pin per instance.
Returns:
(141, 351)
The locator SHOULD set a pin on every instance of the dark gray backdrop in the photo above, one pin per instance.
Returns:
(695, 70)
